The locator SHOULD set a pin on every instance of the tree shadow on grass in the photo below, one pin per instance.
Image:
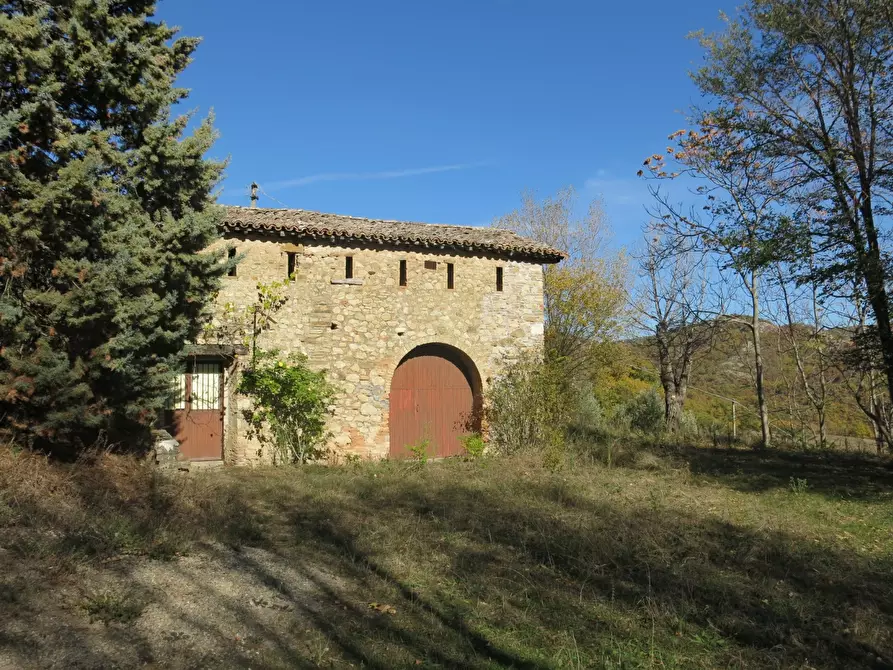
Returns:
(482, 569)
(604, 573)
(834, 474)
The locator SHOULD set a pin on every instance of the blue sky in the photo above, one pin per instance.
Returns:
(441, 111)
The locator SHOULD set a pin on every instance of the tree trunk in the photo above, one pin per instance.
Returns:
(672, 406)
(758, 362)
(822, 414)
(672, 409)
(875, 284)
(819, 402)
(674, 381)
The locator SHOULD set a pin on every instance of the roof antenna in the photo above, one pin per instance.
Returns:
(254, 195)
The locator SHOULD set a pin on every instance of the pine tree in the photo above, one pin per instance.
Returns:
(105, 210)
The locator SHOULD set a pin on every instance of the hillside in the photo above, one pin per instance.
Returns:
(727, 371)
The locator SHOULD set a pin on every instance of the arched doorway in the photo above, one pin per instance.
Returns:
(435, 399)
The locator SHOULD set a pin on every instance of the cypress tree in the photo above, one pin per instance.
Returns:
(105, 210)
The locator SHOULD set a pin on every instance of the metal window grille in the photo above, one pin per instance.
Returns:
(205, 386)
(178, 393)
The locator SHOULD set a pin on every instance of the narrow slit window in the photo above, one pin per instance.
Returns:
(402, 273)
(498, 279)
(292, 265)
(451, 275)
(348, 267)
(231, 254)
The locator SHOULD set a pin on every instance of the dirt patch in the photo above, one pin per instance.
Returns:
(218, 607)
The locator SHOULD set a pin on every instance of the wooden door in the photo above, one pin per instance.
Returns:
(196, 415)
(431, 401)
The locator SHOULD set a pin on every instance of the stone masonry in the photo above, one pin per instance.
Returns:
(359, 329)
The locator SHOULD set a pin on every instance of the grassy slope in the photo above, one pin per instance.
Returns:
(714, 560)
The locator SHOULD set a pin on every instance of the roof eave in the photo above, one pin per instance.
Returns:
(540, 256)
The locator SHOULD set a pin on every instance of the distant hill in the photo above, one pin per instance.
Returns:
(727, 370)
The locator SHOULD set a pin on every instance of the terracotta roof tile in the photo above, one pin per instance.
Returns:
(303, 223)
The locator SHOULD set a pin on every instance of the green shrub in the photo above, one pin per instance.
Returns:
(645, 413)
(529, 405)
(589, 421)
(474, 445)
(798, 486)
(420, 451)
(688, 425)
(289, 406)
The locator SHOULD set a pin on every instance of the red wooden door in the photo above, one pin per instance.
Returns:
(196, 416)
(431, 401)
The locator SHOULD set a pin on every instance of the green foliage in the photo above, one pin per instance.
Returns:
(688, 425)
(590, 417)
(105, 210)
(420, 451)
(528, 406)
(584, 303)
(113, 606)
(645, 414)
(585, 295)
(623, 373)
(289, 402)
(798, 485)
(474, 445)
(247, 324)
(726, 370)
(289, 406)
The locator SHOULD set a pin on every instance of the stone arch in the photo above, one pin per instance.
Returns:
(435, 397)
(411, 342)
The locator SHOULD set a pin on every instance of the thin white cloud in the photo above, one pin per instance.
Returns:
(367, 176)
(617, 191)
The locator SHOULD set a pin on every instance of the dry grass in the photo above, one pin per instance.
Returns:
(700, 558)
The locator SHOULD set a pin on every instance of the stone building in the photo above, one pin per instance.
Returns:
(409, 320)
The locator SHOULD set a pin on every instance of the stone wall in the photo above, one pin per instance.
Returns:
(359, 329)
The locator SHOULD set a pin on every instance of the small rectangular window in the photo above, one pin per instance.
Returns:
(498, 279)
(231, 254)
(292, 265)
(348, 267)
(402, 273)
(451, 275)
(430, 265)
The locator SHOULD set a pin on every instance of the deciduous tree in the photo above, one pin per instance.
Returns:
(808, 86)
(585, 294)
(738, 213)
(674, 305)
